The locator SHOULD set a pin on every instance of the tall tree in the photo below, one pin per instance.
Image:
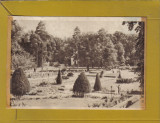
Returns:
(76, 37)
(41, 31)
(120, 53)
(139, 27)
(41, 46)
(20, 58)
(36, 48)
(16, 36)
(109, 54)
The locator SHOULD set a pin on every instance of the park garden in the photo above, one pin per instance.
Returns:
(85, 71)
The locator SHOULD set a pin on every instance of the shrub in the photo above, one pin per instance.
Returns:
(101, 74)
(119, 75)
(81, 85)
(124, 80)
(42, 84)
(97, 85)
(70, 74)
(23, 60)
(136, 92)
(59, 78)
(19, 83)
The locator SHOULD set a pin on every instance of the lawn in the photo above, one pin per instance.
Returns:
(45, 93)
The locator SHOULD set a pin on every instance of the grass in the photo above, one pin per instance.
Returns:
(46, 93)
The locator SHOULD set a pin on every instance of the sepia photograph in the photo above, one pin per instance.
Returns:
(76, 63)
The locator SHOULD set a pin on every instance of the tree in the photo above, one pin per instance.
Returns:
(97, 85)
(36, 48)
(81, 85)
(120, 53)
(16, 36)
(109, 54)
(139, 54)
(23, 60)
(102, 34)
(119, 37)
(59, 78)
(76, 37)
(127, 41)
(41, 31)
(130, 49)
(20, 57)
(19, 83)
(42, 44)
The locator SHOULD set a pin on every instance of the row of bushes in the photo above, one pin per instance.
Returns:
(82, 85)
(20, 84)
(124, 80)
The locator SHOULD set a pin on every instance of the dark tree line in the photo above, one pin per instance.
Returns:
(99, 49)
(139, 27)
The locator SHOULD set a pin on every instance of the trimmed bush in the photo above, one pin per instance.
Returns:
(119, 75)
(101, 74)
(81, 85)
(59, 78)
(97, 85)
(19, 83)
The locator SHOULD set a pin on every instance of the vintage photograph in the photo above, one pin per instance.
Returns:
(77, 63)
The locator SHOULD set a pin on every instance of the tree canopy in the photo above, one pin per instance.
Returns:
(99, 49)
(139, 27)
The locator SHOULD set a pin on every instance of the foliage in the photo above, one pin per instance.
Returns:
(59, 78)
(70, 74)
(19, 83)
(81, 85)
(87, 49)
(119, 76)
(120, 53)
(20, 57)
(23, 60)
(101, 74)
(126, 42)
(108, 51)
(139, 47)
(122, 80)
(97, 85)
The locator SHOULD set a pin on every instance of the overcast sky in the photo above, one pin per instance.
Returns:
(63, 26)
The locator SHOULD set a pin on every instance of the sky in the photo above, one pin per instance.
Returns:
(63, 27)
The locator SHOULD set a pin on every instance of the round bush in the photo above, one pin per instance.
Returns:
(97, 85)
(81, 85)
(19, 83)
